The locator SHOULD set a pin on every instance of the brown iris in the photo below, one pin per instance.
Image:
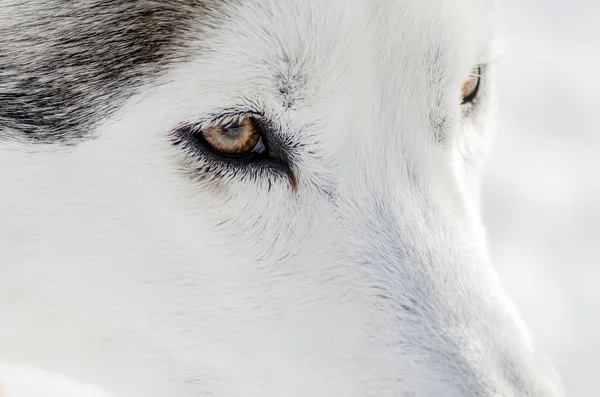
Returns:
(471, 87)
(234, 139)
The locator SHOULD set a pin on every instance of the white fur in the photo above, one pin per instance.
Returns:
(372, 279)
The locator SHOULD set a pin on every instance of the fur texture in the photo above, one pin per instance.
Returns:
(136, 262)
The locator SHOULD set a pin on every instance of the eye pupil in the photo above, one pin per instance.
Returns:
(234, 128)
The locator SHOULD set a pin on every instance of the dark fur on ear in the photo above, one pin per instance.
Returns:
(67, 64)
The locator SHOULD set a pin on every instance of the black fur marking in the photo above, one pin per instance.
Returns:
(65, 65)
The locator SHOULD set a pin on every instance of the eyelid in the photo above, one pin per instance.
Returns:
(224, 118)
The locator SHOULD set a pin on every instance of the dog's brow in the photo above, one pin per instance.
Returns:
(64, 64)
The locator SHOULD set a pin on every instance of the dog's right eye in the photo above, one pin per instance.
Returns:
(233, 146)
(235, 139)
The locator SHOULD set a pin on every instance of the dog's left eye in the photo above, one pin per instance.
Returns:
(471, 87)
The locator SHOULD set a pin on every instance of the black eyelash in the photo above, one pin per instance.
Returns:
(275, 162)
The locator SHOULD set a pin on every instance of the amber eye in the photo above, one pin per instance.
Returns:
(234, 139)
(471, 87)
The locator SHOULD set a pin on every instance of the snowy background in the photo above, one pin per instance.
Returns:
(542, 190)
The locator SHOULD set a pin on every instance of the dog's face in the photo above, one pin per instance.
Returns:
(259, 198)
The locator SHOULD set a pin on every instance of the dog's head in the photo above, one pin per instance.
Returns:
(258, 198)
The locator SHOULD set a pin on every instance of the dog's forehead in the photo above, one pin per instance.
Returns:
(313, 28)
(316, 56)
(67, 64)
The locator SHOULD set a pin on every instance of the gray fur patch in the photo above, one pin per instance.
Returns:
(67, 64)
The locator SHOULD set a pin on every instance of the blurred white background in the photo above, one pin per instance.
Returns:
(542, 190)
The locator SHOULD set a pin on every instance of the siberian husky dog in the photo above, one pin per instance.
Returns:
(251, 198)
